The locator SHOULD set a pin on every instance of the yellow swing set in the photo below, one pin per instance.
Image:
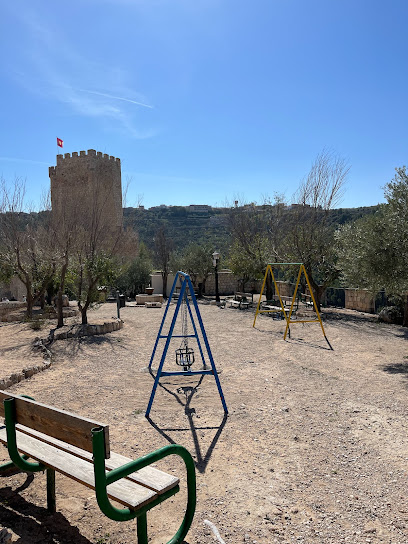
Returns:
(288, 316)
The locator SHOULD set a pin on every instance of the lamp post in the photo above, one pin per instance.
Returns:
(216, 258)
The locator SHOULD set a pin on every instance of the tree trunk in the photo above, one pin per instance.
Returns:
(30, 303)
(84, 315)
(164, 277)
(269, 288)
(60, 314)
(318, 292)
(30, 299)
(405, 320)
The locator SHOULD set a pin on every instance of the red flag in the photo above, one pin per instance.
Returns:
(60, 143)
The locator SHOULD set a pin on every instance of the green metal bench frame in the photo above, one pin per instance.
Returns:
(103, 479)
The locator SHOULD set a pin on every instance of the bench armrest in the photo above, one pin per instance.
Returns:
(19, 460)
(102, 480)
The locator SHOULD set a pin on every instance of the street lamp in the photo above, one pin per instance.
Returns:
(216, 258)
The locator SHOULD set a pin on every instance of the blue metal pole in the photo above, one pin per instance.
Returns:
(207, 345)
(166, 347)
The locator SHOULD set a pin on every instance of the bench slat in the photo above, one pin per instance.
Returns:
(150, 477)
(56, 423)
(124, 491)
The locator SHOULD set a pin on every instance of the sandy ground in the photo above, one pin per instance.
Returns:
(314, 449)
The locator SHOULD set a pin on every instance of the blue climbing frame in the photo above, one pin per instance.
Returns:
(185, 284)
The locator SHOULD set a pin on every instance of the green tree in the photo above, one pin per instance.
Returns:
(136, 276)
(163, 248)
(243, 265)
(373, 251)
(256, 236)
(196, 261)
(98, 260)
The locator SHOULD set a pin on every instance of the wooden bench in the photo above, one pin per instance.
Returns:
(241, 300)
(244, 296)
(274, 308)
(78, 447)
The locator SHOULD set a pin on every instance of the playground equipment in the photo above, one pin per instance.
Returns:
(184, 354)
(288, 316)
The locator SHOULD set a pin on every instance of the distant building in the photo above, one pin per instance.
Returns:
(199, 208)
(161, 207)
(294, 206)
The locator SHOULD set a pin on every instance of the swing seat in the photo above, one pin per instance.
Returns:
(185, 357)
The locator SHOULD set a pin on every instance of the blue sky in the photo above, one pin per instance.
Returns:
(206, 100)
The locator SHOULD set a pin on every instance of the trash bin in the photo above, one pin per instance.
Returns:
(122, 301)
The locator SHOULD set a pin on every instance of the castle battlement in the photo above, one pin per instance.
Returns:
(91, 153)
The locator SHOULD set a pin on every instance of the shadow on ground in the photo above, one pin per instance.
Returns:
(34, 524)
(396, 368)
(72, 347)
(184, 396)
(297, 340)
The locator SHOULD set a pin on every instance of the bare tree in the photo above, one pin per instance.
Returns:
(163, 247)
(310, 236)
(25, 249)
(256, 236)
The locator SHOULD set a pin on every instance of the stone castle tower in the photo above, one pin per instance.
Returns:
(86, 186)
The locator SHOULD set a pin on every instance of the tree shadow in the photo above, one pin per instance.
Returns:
(403, 332)
(188, 392)
(333, 314)
(396, 368)
(34, 523)
(76, 344)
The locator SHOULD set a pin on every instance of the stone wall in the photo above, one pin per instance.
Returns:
(15, 289)
(7, 307)
(286, 289)
(86, 187)
(228, 284)
(360, 299)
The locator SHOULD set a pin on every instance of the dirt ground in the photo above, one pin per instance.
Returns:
(314, 449)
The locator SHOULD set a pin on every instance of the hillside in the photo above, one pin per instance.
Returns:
(184, 226)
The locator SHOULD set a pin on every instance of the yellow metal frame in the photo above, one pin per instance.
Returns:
(288, 319)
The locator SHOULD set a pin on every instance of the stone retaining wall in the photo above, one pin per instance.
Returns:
(17, 377)
(142, 299)
(7, 307)
(77, 331)
(359, 299)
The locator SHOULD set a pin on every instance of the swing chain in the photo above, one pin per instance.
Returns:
(184, 354)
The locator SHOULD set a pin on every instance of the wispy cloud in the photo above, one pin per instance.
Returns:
(16, 159)
(63, 75)
(115, 97)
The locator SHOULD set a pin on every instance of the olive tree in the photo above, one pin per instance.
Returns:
(373, 251)
(163, 248)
